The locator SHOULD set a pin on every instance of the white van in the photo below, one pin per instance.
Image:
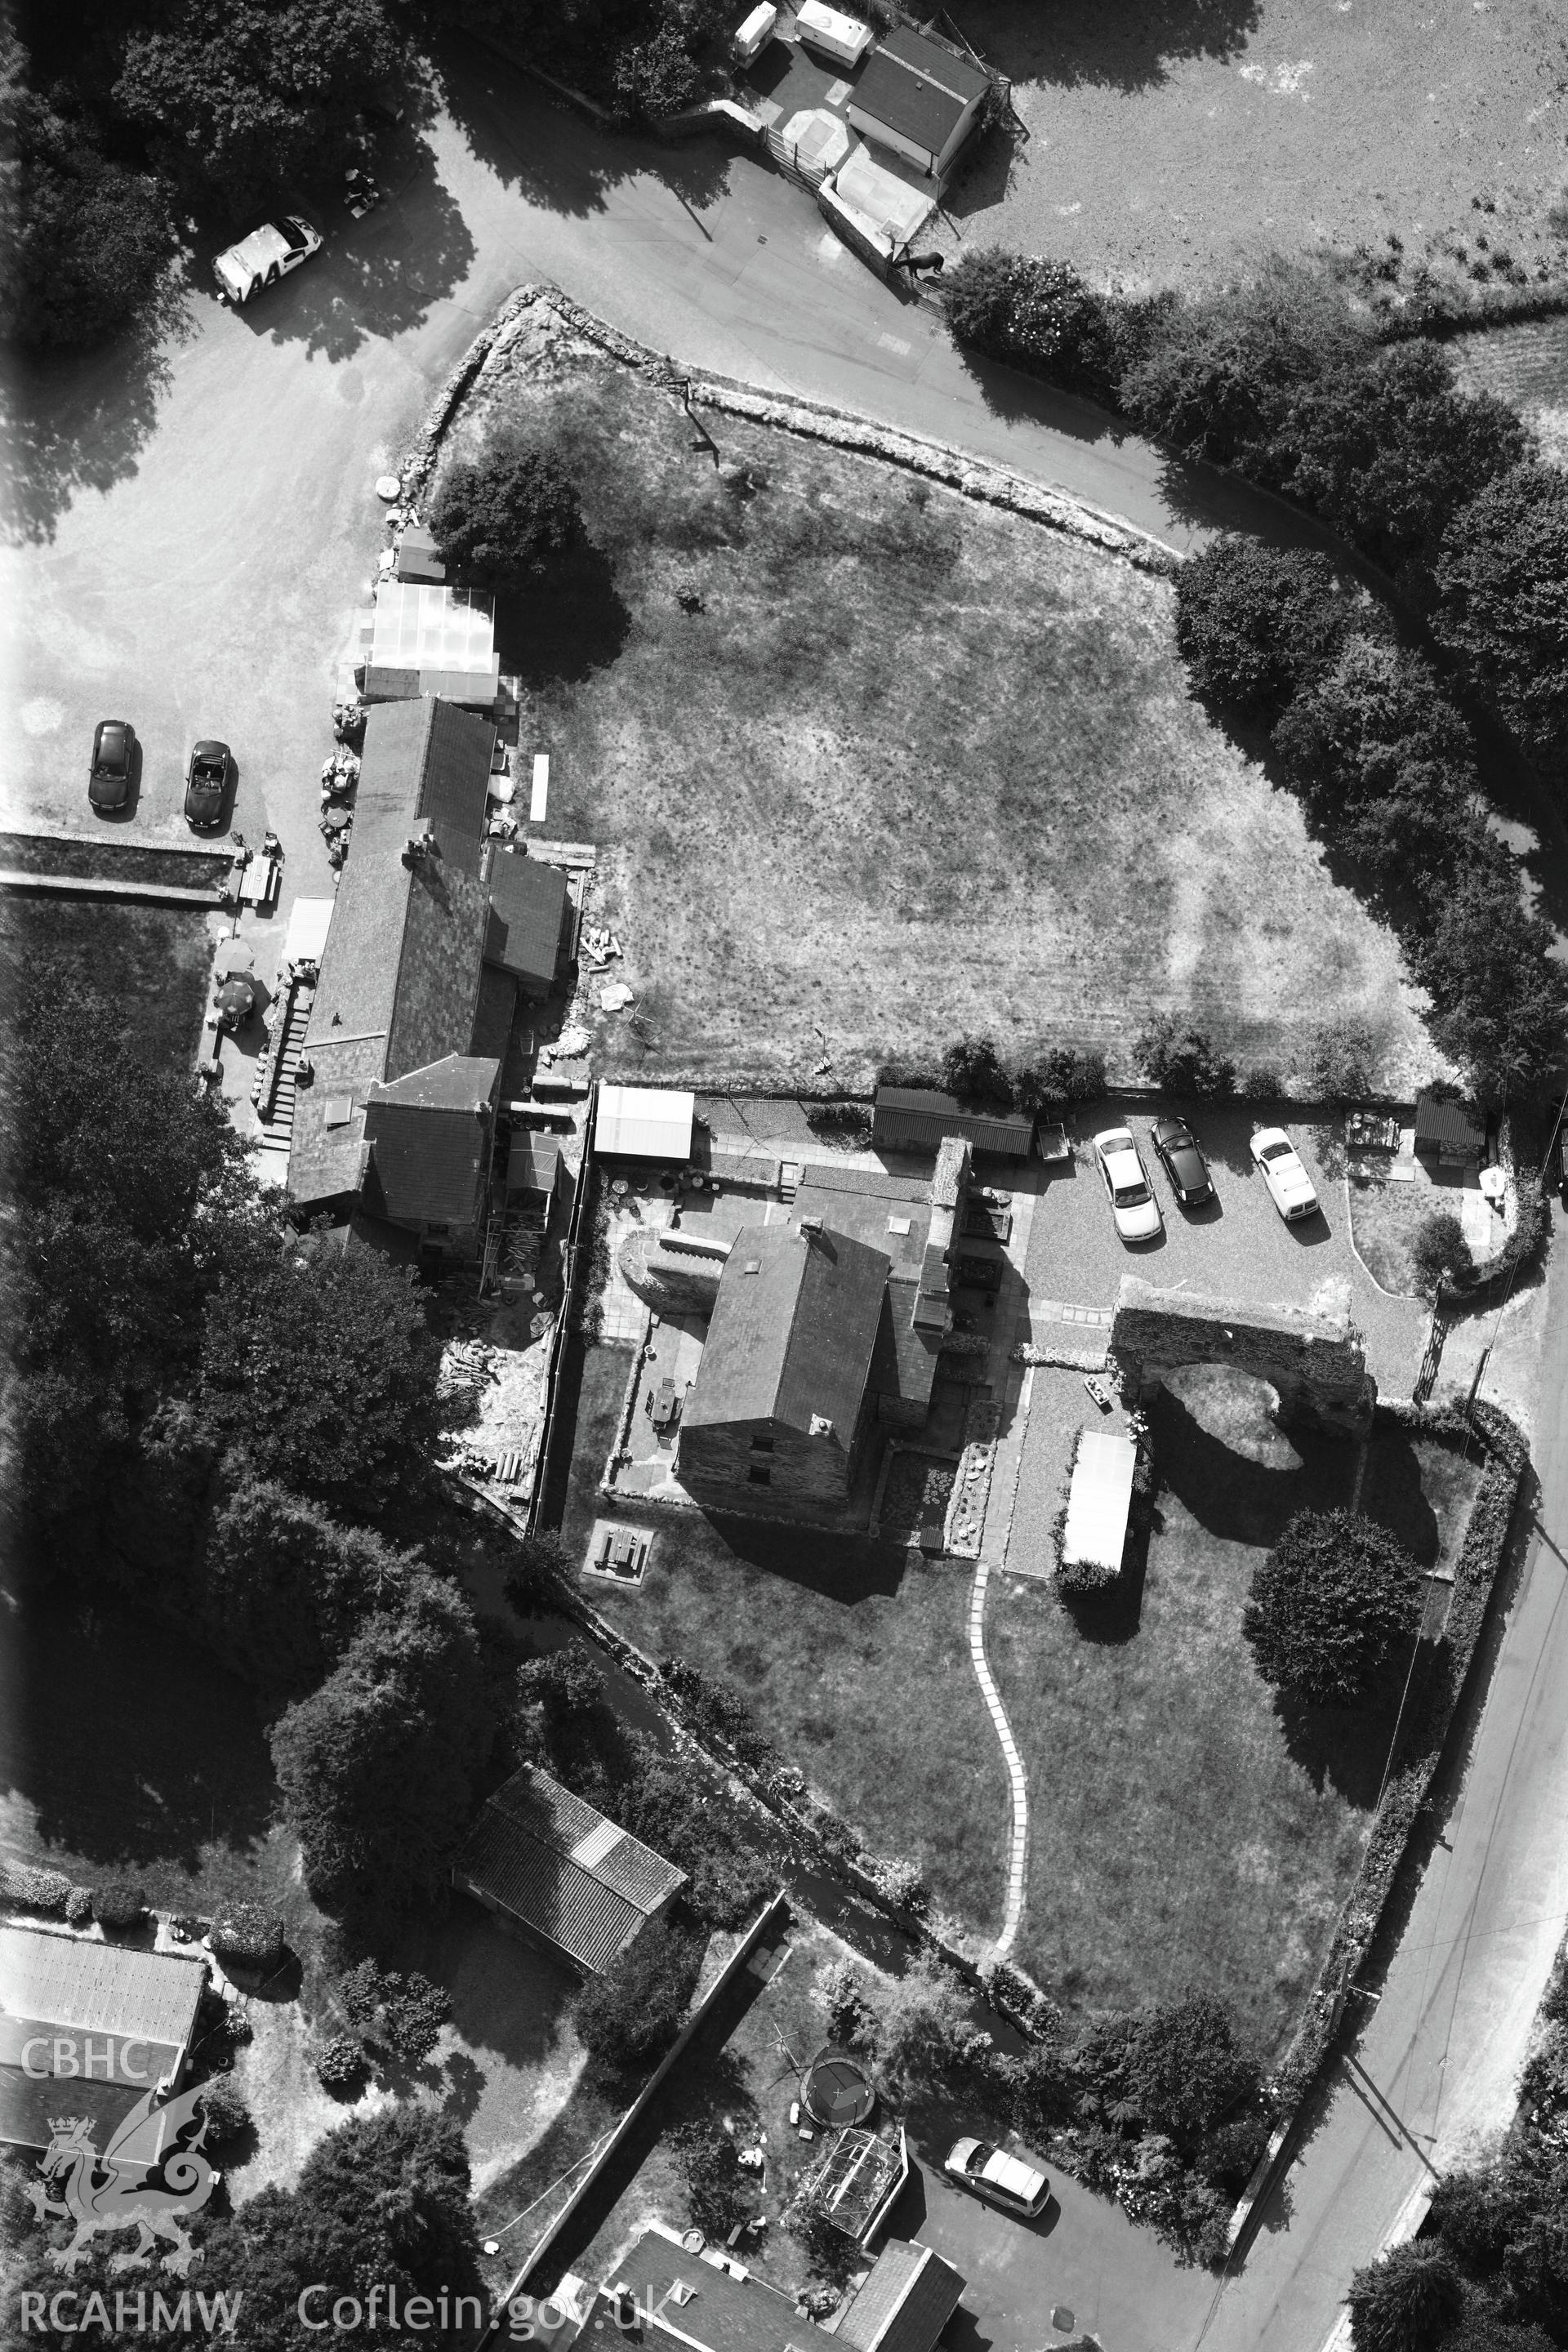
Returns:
(265, 255)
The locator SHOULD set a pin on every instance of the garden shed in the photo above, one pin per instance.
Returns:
(919, 96)
(1098, 1501)
(562, 1874)
(105, 2020)
(1450, 1128)
(916, 1119)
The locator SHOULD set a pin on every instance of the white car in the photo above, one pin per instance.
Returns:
(1289, 1186)
(1132, 1201)
(1002, 2180)
(263, 257)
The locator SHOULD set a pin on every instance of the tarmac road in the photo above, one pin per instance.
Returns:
(1434, 2067)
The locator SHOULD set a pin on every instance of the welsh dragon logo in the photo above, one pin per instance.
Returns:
(148, 2179)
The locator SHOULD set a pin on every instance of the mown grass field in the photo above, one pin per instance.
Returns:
(1186, 1827)
(1170, 140)
(867, 765)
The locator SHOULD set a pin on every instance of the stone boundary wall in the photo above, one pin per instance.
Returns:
(953, 468)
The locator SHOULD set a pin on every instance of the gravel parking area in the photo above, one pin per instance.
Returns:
(1239, 1248)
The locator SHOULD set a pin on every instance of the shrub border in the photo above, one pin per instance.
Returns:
(1481, 1558)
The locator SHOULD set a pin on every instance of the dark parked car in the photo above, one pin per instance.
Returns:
(207, 778)
(109, 779)
(1183, 1162)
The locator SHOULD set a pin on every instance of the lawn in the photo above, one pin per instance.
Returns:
(826, 1639)
(1170, 138)
(1184, 1828)
(867, 764)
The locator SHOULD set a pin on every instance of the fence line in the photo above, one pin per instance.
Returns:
(774, 1914)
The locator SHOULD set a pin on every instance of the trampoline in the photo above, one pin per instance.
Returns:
(835, 2090)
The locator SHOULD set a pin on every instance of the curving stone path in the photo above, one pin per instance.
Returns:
(1015, 1762)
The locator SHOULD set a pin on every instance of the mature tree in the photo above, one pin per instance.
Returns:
(1063, 1074)
(685, 1817)
(658, 77)
(628, 2017)
(1038, 313)
(972, 1069)
(1406, 2300)
(1388, 449)
(383, 2199)
(1440, 1250)
(1186, 2069)
(1504, 2224)
(1254, 622)
(243, 100)
(1182, 1061)
(925, 2030)
(1385, 770)
(403, 2015)
(377, 1766)
(1218, 371)
(284, 1589)
(1336, 1598)
(718, 2191)
(90, 244)
(318, 1367)
(1501, 999)
(506, 513)
(1483, 2328)
(540, 1567)
(1502, 603)
(124, 1187)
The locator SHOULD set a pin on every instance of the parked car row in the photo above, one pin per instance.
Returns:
(1133, 1202)
(208, 774)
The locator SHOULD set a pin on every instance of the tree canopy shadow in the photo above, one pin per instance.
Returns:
(377, 277)
(1128, 49)
(551, 150)
(565, 625)
(133, 1746)
(78, 420)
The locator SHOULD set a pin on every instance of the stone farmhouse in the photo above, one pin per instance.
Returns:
(436, 934)
(822, 1332)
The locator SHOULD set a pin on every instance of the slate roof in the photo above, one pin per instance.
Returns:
(399, 978)
(429, 1138)
(578, 1880)
(494, 1014)
(905, 1361)
(792, 1333)
(720, 2312)
(905, 2304)
(869, 1212)
(916, 87)
(528, 916)
(912, 1118)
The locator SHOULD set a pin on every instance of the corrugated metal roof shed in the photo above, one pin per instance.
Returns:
(1099, 1500)
(563, 1869)
(911, 1118)
(644, 1123)
(73, 1981)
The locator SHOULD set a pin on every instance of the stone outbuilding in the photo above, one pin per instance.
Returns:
(1314, 1362)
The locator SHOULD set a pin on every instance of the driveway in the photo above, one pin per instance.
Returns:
(1083, 2268)
(1239, 1247)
